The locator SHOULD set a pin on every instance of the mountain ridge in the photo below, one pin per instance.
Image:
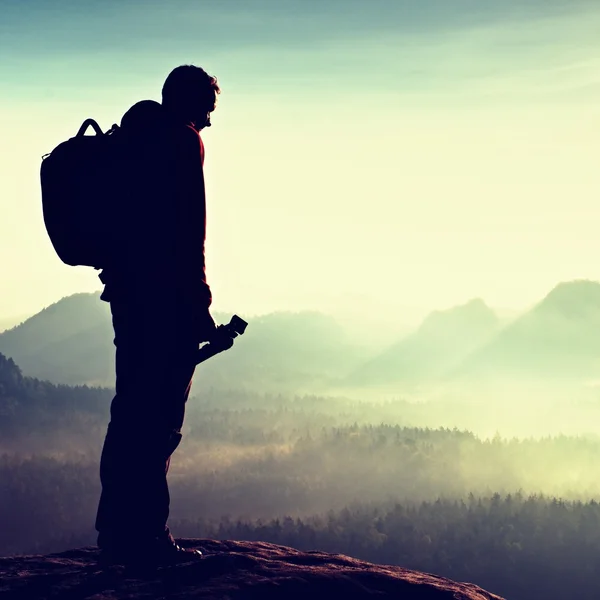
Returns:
(71, 342)
(442, 339)
(556, 338)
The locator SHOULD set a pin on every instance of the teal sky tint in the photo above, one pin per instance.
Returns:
(365, 155)
(47, 43)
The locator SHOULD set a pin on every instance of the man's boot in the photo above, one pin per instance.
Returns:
(158, 552)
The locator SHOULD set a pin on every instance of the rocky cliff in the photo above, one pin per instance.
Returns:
(229, 571)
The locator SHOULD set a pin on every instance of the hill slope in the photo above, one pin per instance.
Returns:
(284, 351)
(68, 342)
(71, 342)
(30, 408)
(10, 322)
(231, 570)
(441, 342)
(558, 338)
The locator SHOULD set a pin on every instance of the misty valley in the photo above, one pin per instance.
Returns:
(468, 447)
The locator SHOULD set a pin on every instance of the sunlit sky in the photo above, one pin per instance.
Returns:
(366, 156)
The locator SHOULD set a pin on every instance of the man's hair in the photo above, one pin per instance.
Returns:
(187, 79)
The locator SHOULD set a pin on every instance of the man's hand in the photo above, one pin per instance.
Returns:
(222, 338)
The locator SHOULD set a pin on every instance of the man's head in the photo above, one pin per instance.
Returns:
(190, 93)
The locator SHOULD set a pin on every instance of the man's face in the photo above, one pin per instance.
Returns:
(205, 107)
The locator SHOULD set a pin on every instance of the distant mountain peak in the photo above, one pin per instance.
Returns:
(572, 298)
(475, 312)
(556, 339)
(444, 338)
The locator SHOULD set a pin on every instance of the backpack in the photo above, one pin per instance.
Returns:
(80, 182)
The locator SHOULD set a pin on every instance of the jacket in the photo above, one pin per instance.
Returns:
(159, 250)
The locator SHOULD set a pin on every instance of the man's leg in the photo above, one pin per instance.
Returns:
(154, 365)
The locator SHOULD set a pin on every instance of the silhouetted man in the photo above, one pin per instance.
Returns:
(159, 299)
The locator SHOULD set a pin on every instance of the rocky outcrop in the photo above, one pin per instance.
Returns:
(229, 571)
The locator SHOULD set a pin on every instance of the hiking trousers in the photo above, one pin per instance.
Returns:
(155, 361)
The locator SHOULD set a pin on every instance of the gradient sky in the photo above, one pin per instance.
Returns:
(365, 156)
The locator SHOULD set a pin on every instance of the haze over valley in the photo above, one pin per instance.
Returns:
(402, 201)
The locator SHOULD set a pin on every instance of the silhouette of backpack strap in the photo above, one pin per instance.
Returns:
(89, 123)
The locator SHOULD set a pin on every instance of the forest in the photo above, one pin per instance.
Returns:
(359, 478)
(509, 543)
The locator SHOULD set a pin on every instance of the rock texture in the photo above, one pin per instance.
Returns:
(229, 571)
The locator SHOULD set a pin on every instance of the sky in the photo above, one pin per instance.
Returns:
(367, 157)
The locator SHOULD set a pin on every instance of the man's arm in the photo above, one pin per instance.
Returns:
(190, 209)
